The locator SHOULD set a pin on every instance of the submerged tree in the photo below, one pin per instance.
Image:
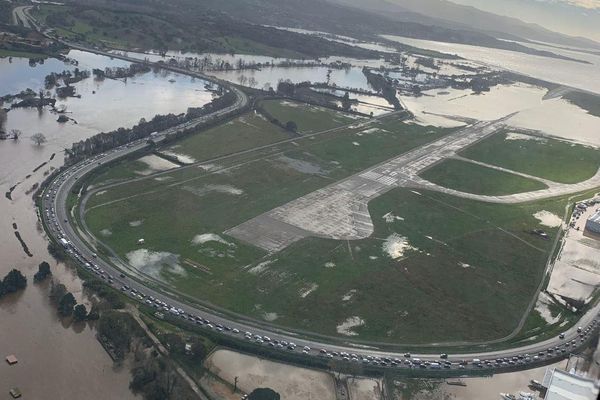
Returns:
(39, 138)
(43, 272)
(80, 312)
(15, 134)
(66, 304)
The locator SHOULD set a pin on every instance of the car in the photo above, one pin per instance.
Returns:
(561, 336)
(444, 355)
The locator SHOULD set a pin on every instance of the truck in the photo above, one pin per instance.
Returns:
(64, 242)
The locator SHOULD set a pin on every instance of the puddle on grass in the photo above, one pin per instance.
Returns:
(395, 246)
(522, 136)
(548, 219)
(346, 327)
(308, 290)
(155, 263)
(210, 237)
(206, 189)
(302, 166)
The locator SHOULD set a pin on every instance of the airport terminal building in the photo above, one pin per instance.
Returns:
(593, 223)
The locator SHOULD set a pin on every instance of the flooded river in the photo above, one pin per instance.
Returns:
(58, 360)
(569, 73)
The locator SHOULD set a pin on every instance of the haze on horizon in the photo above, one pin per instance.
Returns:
(571, 17)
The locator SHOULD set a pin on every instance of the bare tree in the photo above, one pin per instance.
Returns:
(252, 82)
(39, 138)
(15, 134)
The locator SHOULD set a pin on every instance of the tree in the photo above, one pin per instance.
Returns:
(57, 291)
(175, 343)
(264, 394)
(252, 82)
(66, 304)
(43, 272)
(291, 126)
(14, 281)
(15, 134)
(118, 329)
(198, 350)
(79, 312)
(39, 138)
(346, 103)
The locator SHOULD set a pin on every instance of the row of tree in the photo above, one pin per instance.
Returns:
(67, 306)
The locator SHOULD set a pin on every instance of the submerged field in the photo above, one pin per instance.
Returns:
(473, 178)
(552, 159)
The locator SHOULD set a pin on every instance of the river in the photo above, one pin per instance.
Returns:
(59, 360)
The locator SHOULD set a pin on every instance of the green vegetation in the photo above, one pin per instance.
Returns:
(245, 132)
(13, 282)
(308, 118)
(165, 25)
(587, 101)
(551, 159)
(473, 178)
(24, 54)
(43, 272)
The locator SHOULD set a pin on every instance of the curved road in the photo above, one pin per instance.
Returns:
(56, 217)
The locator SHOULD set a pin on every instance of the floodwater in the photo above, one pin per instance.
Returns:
(292, 383)
(554, 117)
(105, 105)
(59, 360)
(344, 78)
(352, 78)
(569, 73)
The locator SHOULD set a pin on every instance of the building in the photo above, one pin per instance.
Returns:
(562, 385)
(593, 223)
(11, 360)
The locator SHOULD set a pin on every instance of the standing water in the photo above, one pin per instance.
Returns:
(59, 359)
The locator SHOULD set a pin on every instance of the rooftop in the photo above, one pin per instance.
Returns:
(565, 386)
(595, 217)
(11, 359)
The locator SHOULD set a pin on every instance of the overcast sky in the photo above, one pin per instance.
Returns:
(573, 17)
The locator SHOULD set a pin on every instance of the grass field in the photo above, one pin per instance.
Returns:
(248, 131)
(473, 178)
(546, 158)
(24, 54)
(454, 268)
(308, 118)
(471, 267)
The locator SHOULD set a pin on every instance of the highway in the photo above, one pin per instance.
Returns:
(57, 219)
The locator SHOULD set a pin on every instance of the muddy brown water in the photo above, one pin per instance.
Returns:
(56, 359)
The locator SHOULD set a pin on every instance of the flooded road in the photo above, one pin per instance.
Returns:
(59, 360)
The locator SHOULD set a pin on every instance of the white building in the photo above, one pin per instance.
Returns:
(593, 223)
(562, 385)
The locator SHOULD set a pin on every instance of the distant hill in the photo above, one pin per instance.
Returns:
(452, 15)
